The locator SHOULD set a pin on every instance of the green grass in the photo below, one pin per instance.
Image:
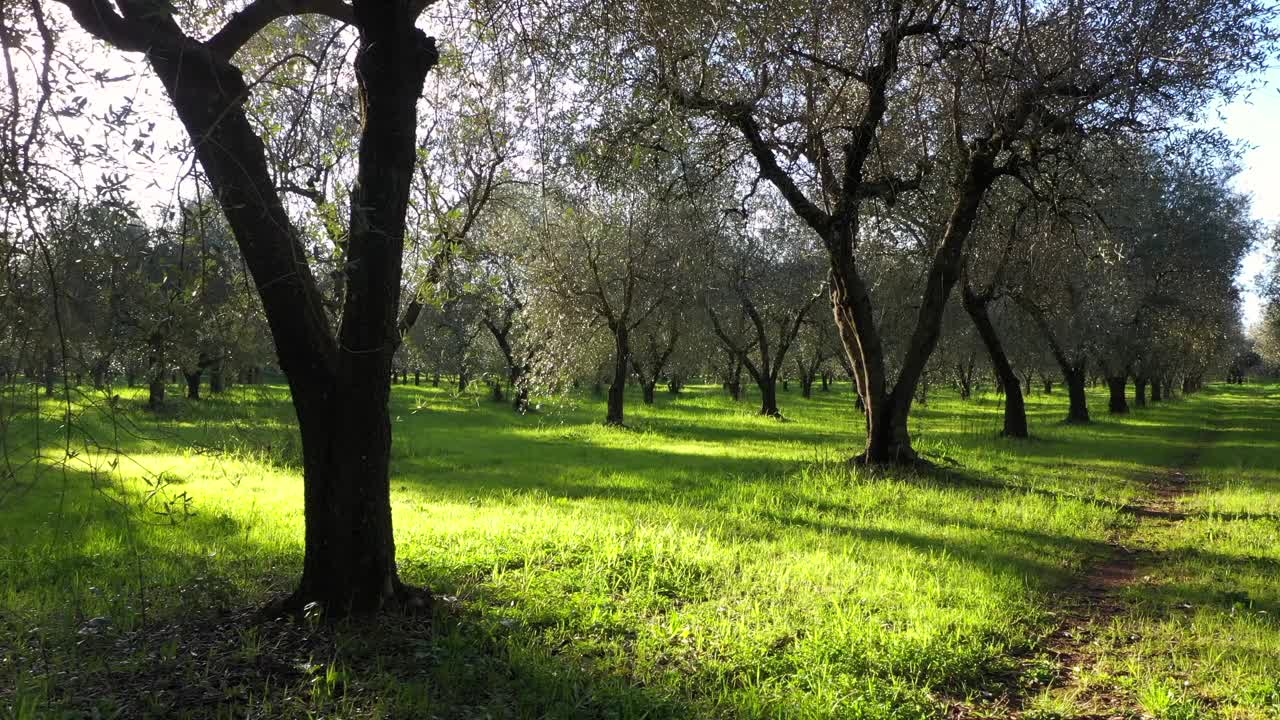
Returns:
(1203, 636)
(705, 562)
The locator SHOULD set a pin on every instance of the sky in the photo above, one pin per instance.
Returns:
(1255, 121)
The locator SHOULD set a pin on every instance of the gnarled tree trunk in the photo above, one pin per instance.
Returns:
(340, 385)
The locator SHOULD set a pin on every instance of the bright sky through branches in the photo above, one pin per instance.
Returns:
(1253, 120)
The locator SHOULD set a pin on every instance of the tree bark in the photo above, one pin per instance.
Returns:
(155, 393)
(769, 397)
(1157, 390)
(621, 362)
(1139, 391)
(340, 385)
(1015, 411)
(193, 383)
(1075, 380)
(1118, 404)
(887, 410)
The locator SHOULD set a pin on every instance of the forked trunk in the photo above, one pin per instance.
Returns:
(887, 439)
(340, 384)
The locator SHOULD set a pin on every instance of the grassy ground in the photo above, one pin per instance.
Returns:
(705, 562)
(1202, 638)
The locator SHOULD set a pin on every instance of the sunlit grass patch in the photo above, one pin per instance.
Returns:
(704, 561)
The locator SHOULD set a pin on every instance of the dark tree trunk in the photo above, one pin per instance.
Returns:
(417, 377)
(621, 362)
(769, 397)
(464, 380)
(1015, 411)
(520, 393)
(349, 565)
(155, 393)
(50, 372)
(888, 409)
(1075, 380)
(1139, 391)
(99, 374)
(648, 390)
(193, 383)
(806, 387)
(217, 379)
(498, 395)
(435, 378)
(1157, 390)
(1118, 404)
(340, 385)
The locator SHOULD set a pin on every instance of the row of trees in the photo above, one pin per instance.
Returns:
(604, 188)
(106, 299)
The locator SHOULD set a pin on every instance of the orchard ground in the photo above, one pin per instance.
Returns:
(703, 562)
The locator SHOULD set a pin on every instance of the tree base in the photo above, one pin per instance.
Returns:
(309, 606)
(900, 456)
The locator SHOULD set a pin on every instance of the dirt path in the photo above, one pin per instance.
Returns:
(1088, 609)
(1100, 598)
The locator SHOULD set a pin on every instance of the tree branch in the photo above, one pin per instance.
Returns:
(100, 19)
(255, 16)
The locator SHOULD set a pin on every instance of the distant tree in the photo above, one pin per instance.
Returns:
(767, 284)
